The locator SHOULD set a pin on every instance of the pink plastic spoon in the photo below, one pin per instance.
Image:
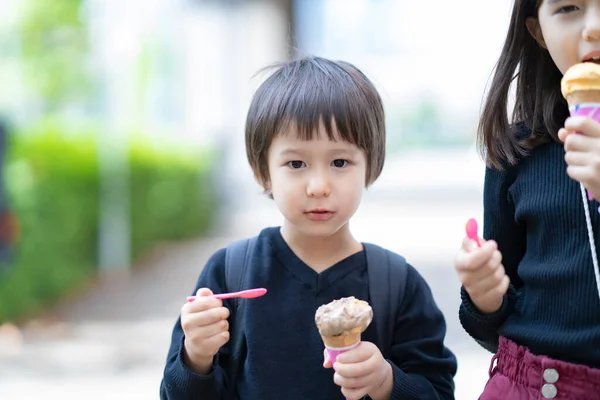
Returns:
(471, 229)
(244, 294)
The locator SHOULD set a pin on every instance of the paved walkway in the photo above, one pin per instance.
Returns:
(111, 342)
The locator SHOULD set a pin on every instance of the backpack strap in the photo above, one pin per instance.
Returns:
(387, 279)
(237, 256)
(237, 259)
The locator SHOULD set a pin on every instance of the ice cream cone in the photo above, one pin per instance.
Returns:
(341, 323)
(344, 340)
(581, 83)
(580, 86)
(583, 96)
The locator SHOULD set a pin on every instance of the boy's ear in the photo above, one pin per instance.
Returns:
(535, 30)
(265, 183)
(267, 189)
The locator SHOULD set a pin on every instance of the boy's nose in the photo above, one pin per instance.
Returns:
(318, 186)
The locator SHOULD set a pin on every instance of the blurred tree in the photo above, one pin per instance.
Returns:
(54, 48)
(9, 226)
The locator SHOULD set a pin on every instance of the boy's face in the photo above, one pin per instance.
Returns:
(316, 184)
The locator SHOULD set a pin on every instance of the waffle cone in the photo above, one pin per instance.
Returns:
(583, 96)
(344, 340)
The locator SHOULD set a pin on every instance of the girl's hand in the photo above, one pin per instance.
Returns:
(582, 152)
(482, 274)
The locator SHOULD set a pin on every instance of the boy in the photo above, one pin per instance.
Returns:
(315, 139)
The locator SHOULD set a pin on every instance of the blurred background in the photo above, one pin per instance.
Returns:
(123, 167)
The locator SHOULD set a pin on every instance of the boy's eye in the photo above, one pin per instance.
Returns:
(339, 163)
(296, 164)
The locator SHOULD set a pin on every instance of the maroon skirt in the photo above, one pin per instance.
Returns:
(521, 375)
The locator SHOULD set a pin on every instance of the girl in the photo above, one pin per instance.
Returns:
(531, 292)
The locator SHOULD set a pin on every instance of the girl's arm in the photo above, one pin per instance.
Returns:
(498, 224)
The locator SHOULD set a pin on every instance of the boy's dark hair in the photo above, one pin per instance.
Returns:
(539, 102)
(306, 92)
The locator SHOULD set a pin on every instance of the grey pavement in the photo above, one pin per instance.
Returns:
(110, 343)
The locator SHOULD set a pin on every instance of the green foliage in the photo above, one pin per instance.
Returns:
(54, 46)
(171, 191)
(53, 188)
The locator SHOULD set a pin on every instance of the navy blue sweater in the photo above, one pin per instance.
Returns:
(284, 357)
(535, 213)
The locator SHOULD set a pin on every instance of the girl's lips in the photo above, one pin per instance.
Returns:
(591, 56)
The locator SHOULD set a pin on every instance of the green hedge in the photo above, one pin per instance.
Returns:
(53, 187)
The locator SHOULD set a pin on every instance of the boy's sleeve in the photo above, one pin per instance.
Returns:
(423, 367)
(179, 382)
(498, 224)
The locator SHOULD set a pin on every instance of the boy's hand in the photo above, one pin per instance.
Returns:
(362, 371)
(482, 274)
(205, 326)
(582, 152)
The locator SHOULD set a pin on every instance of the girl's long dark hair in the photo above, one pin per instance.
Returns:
(539, 103)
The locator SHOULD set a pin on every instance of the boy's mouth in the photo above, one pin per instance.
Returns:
(319, 211)
(319, 214)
